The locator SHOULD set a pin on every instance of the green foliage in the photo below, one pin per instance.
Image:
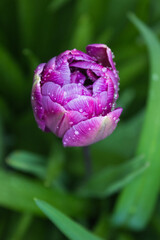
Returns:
(122, 195)
(71, 229)
(137, 210)
(112, 179)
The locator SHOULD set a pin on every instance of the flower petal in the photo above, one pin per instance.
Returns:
(74, 90)
(54, 91)
(79, 55)
(99, 86)
(101, 104)
(96, 68)
(53, 113)
(38, 71)
(92, 76)
(102, 54)
(91, 130)
(57, 72)
(84, 104)
(115, 78)
(36, 98)
(69, 119)
(78, 77)
(110, 97)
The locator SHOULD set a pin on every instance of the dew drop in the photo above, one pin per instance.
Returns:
(76, 132)
(81, 110)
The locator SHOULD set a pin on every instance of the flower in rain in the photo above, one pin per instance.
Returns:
(74, 95)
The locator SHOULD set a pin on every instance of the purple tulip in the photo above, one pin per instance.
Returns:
(74, 95)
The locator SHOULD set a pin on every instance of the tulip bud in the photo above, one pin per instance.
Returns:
(75, 93)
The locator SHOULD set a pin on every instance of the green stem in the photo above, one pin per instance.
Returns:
(87, 161)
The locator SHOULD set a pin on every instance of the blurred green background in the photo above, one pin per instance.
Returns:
(34, 164)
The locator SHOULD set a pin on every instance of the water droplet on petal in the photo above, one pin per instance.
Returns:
(117, 120)
(76, 132)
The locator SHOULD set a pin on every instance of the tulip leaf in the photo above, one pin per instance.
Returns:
(112, 179)
(27, 162)
(17, 193)
(70, 229)
(137, 201)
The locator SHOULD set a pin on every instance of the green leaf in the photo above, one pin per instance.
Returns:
(136, 203)
(69, 228)
(28, 162)
(112, 179)
(17, 192)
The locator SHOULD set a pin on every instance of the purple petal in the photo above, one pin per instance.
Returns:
(78, 56)
(54, 114)
(74, 90)
(54, 91)
(91, 130)
(101, 104)
(36, 98)
(110, 97)
(78, 77)
(69, 119)
(48, 69)
(57, 73)
(102, 54)
(38, 71)
(92, 76)
(115, 78)
(96, 68)
(99, 86)
(84, 104)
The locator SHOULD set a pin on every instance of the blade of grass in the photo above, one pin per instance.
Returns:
(28, 162)
(17, 193)
(70, 228)
(112, 179)
(136, 203)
